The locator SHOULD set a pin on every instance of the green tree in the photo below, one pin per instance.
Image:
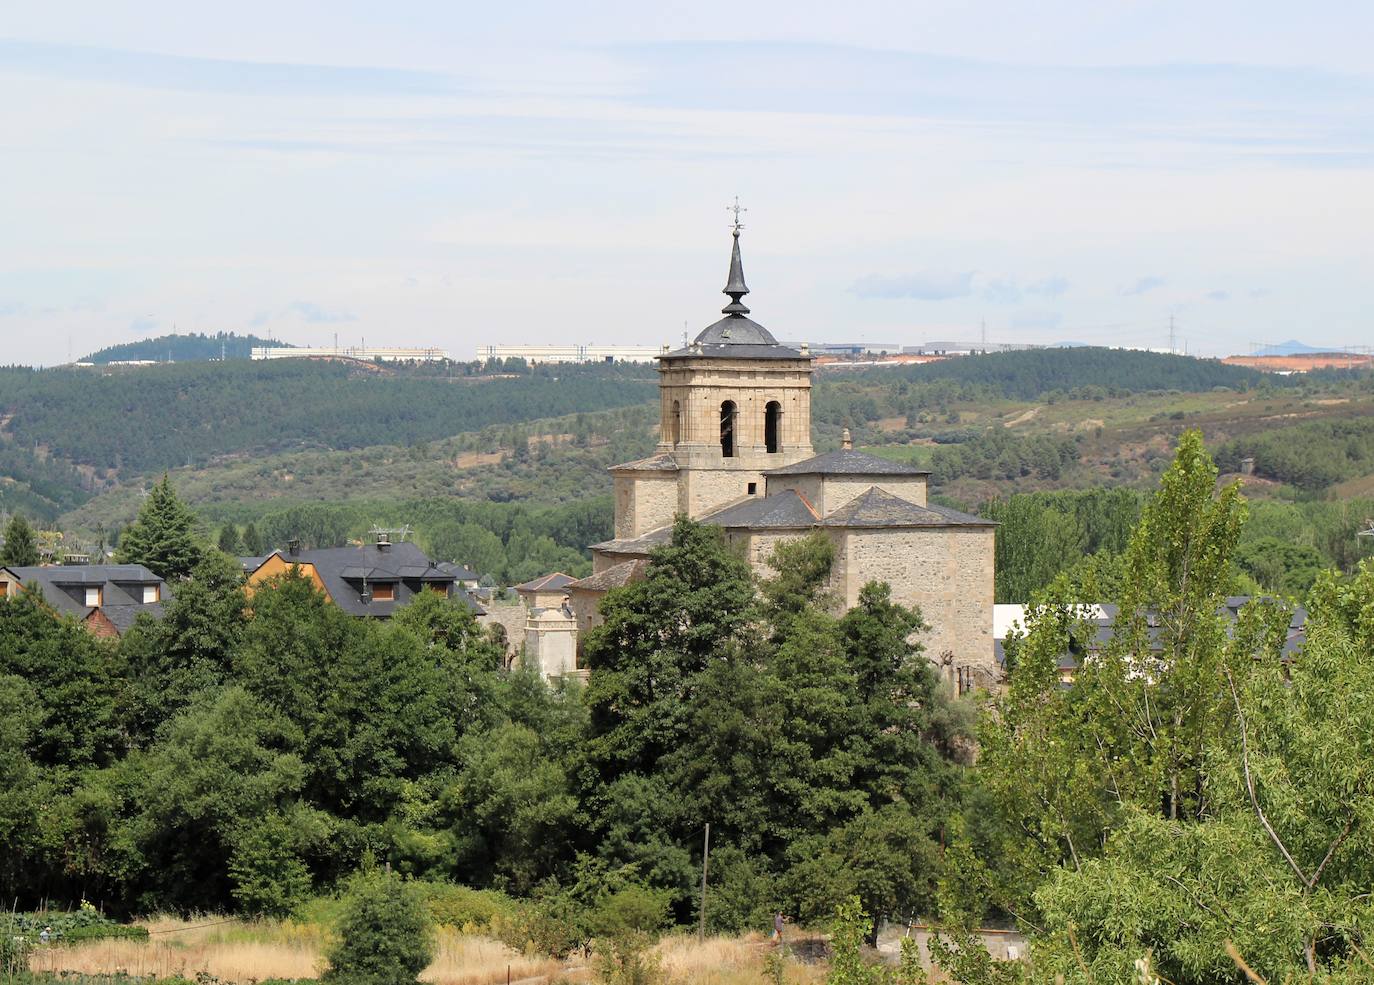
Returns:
(252, 541)
(1278, 868)
(163, 538)
(20, 549)
(385, 936)
(190, 649)
(228, 540)
(269, 876)
(1059, 768)
(512, 807)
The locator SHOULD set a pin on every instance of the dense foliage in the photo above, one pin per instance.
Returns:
(192, 347)
(1193, 798)
(228, 757)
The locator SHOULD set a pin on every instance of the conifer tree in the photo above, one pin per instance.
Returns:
(163, 538)
(20, 547)
(252, 540)
(229, 539)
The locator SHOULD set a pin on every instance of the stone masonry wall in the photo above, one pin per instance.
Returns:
(644, 501)
(945, 571)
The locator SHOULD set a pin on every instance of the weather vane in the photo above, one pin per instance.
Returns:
(737, 209)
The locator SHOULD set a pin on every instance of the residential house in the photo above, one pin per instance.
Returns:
(106, 598)
(369, 580)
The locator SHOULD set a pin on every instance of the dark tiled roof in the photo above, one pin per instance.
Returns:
(847, 461)
(879, 508)
(783, 509)
(642, 544)
(86, 574)
(614, 577)
(344, 570)
(63, 588)
(123, 616)
(654, 463)
(1103, 630)
(459, 571)
(548, 583)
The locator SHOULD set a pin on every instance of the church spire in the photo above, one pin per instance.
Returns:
(735, 286)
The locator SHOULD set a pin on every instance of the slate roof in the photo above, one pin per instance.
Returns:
(1104, 629)
(847, 461)
(547, 583)
(123, 616)
(654, 463)
(879, 508)
(460, 572)
(782, 509)
(614, 577)
(344, 570)
(63, 588)
(642, 544)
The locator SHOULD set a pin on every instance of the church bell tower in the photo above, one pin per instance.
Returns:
(732, 405)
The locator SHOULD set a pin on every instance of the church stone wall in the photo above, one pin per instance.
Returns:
(806, 486)
(705, 490)
(840, 490)
(644, 501)
(945, 571)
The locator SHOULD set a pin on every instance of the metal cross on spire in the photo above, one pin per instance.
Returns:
(736, 209)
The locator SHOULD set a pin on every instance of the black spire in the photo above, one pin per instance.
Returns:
(735, 286)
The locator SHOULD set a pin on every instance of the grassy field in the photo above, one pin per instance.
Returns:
(245, 952)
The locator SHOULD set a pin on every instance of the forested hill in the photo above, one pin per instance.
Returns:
(184, 348)
(167, 416)
(1031, 373)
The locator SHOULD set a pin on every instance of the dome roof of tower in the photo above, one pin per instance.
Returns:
(735, 330)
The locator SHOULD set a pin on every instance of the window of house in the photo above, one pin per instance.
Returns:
(772, 427)
(4, 587)
(753, 488)
(439, 587)
(383, 593)
(676, 423)
(727, 429)
(93, 596)
(151, 593)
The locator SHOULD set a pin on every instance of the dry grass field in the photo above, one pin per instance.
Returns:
(245, 952)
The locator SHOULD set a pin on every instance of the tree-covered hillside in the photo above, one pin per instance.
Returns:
(196, 347)
(1031, 373)
(164, 416)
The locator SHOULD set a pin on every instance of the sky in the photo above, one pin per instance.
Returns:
(462, 174)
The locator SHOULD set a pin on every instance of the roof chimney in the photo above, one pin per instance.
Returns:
(846, 442)
(293, 547)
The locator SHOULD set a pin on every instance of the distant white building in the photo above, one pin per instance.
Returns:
(571, 353)
(365, 353)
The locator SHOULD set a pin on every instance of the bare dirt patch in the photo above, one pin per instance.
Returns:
(1023, 417)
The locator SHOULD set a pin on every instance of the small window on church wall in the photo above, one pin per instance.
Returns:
(727, 429)
(772, 426)
(675, 424)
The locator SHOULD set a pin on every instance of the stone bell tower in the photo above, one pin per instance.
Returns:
(733, 404)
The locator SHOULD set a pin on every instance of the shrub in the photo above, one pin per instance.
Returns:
(385, 935)
(475, 910)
